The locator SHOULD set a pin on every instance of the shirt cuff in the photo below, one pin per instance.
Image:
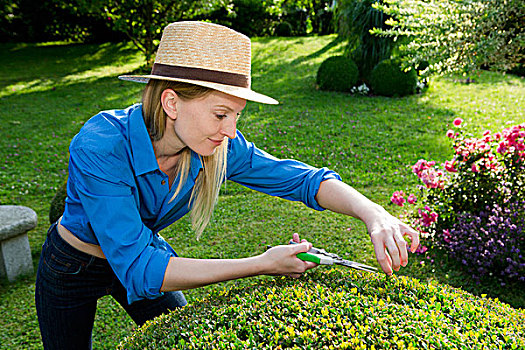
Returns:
(327, 174)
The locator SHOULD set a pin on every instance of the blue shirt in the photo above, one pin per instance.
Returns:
(118, 198)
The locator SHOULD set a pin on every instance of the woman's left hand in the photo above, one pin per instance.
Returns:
(387, 234)
(385, 230)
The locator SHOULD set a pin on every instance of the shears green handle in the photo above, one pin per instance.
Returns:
(316, 258)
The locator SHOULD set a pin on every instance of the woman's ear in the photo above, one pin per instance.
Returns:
(169, 99)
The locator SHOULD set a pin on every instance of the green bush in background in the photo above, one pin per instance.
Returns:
(388, 79)
(337, 73)
(283, 29)
(337, 309)
(58, 203)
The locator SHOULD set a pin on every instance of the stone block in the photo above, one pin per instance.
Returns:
(15, 253)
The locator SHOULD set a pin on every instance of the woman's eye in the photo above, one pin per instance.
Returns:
(221, 116)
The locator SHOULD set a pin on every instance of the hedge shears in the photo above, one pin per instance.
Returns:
(322, 257)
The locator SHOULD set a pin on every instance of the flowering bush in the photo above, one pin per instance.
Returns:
(473, 207)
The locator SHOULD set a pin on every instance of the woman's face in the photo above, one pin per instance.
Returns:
(201, 124)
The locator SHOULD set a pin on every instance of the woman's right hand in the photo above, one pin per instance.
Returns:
(283, 260)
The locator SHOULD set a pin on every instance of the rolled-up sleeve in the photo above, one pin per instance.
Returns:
(285, 178)
(104, 185)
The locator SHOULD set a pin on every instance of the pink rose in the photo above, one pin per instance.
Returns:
(450, 134)
(427, 216)
(421, 249)
(446, 236)
(397, 198)
(458, 121)
(411, 199)
(450, 166)
(475, 168)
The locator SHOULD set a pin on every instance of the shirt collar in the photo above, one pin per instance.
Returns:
(142, 151)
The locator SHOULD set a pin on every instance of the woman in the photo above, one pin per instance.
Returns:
(135, 171)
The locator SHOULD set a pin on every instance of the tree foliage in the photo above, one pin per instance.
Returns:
(355, 20)
(142, 21)
(457, 35)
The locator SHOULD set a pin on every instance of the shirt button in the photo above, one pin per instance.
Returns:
(163, 182)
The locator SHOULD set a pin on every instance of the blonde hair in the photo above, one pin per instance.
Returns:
(207, 185)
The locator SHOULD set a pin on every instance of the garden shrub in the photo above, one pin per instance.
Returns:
(283, 29)
(336, 308)
(58, 203)
(519, 70)
(388, 79)
(473, 208)
(337, 73)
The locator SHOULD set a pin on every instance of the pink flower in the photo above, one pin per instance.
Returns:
(422, 165)
(397, 198)
(450, 166)
(502, 148)
(432, 178)
(446, 236)
(427, 216)
(474, 168)
(458, 121)
(421, 249)
(411, 199)
(450, 134)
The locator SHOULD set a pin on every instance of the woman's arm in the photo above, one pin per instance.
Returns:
(385, 230)
(185, 273)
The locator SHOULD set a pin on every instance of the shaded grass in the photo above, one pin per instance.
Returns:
(48, 92)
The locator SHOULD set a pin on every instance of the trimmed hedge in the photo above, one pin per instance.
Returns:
(337, 309)
(388, 79)
(337, 73)
(58, 203)
(283, 29)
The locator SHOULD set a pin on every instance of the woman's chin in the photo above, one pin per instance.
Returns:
(205, 152)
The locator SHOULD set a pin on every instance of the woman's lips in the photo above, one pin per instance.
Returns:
(216, 142)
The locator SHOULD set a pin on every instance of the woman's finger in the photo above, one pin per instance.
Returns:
(414, 237)
(393, 251)
(402, 247)
(382, 258)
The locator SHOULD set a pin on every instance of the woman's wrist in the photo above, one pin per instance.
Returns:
(371, 213)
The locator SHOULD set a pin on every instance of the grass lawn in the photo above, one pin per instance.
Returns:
(48, 91)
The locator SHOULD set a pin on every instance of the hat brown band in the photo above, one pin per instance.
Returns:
(201, 74)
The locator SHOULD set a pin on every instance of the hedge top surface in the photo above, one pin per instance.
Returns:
(337, 308)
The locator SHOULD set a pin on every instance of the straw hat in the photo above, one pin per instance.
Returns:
(205, 54)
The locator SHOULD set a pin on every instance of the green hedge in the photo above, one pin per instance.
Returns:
(388, 79)
(337, 73)
(58, 203)
(337, 309)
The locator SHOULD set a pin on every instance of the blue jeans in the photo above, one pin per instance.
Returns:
(68, 285)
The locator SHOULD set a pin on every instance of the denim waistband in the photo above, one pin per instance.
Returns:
(53, 237)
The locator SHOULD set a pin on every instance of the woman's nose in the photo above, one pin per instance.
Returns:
(229, 127)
